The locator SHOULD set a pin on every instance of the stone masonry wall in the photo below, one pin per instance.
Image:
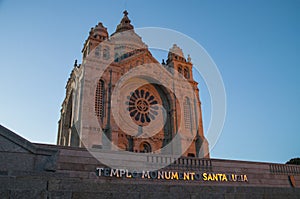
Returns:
(43, 171)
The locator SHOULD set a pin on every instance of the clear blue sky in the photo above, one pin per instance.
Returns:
(255, 44)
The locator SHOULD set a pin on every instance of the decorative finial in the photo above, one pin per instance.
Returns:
(163, 62)
(125, 13)
(189, 58)
(75, 64)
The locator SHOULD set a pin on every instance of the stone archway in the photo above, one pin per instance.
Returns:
(151, 112)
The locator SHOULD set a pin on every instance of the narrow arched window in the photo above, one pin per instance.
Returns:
(180, 69)
(187, 114)
(116, 57)
(97, 51)
(106, 54)
(186, 73)
(145, 147)
(99, 100)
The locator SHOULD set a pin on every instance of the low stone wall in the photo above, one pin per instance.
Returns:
(45, 171)
(42, 186)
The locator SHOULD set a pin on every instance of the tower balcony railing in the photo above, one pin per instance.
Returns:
(181, 163)
(284, 169)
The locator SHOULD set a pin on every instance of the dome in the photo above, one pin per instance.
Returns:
(125, 39)
(99, 32)
(176, 50)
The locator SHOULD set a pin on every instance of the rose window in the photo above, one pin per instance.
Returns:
(142, 106)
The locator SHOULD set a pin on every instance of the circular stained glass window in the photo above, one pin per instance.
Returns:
(142, 106)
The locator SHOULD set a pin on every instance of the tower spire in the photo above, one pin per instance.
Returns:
(125, 23)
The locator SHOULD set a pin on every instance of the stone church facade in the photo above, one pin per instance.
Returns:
(121, 98)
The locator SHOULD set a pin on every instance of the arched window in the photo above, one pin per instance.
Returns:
(180, 69)
(145, 147)
(106, 53)
(186, 73)
(97, 51)
(187, 114)
(116, 57)
(99, 100)
(67, 120)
